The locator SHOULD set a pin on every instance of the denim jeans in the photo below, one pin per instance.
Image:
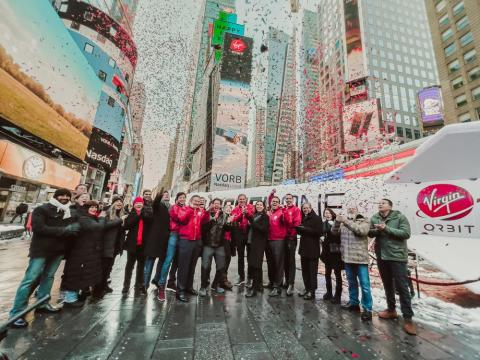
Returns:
(148, 269)
(161, 278)
(394, 275)
(359, 273)
(70, 296)
(207, 255)
(39, 271)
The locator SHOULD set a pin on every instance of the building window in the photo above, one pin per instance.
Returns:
(461, 100)
(466, 39)
(457, 82)
(464, 118)
(87, 15)
(111, 101)
(399, 131)
(444, 20)
(474, 73)
(476, 93)
(470, 56)
(63, 8)
(75, 25)
(113, 31)
(458, 8)
(447, 34)
(102, 75)
(453, 66)
(450, 49)
(440, 5)
(462, 23)
(408, 133)
(88, 48)
(417, 134)
(112, 63)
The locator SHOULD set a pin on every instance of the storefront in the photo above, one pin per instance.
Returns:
(26, 176)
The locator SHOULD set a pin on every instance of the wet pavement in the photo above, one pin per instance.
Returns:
(218, 327)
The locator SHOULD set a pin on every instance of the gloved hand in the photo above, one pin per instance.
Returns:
(71, 229)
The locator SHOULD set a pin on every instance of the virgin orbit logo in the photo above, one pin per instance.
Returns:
(238, 46)
(444, 202)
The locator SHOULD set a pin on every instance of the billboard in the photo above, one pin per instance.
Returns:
(103, 150)
(47, 87)
(361, 126)
(237, 59)
(355, 59)
(431, 105)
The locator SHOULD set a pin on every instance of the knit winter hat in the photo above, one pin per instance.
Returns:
(60, 192)
(138, 199)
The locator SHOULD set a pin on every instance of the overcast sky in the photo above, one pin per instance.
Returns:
(163, 33)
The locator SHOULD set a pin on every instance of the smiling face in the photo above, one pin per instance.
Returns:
(275, 203)
(195, 202)
(138, 206)
(259, 207)
(118, 205)
(289, 200)
(63, 199)
(217, 205)
(242, 200)
(181, 200)
(306, 208)
(147, 195)
(82, 199)
(327, 215)
(92, 210)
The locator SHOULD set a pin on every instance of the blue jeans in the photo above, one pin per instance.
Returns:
(148, 269)
(359, 273)
(161, 277)
(40, 270)
(71, 296)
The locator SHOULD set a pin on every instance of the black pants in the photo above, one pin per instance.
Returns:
(256, 275)
(172, 275)
(188, 252)
(277, 249)
(15, 216)
(241, 242)
(338, 279)
(290, 247)
(107, 265)
(309, 273)
(394, 275)
(133, 258)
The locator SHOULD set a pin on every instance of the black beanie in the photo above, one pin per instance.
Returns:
(60, 192)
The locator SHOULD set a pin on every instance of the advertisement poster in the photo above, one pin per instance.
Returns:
(230, 148)
(431, 104)
(361, 126)
(355, 60)
(103, 150)
(46, 85)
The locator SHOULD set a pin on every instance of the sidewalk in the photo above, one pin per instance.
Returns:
(10, 231)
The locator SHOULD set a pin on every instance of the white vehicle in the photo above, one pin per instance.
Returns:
(438, 189)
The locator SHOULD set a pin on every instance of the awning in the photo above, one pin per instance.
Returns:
(451, 154)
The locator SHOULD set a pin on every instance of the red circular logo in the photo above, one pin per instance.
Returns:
(238, 45)
(445, 201)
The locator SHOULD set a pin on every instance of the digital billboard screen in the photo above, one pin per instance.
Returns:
(361, 126)
(355, 60)
(431, 104)
(47, 87)
(237, 59)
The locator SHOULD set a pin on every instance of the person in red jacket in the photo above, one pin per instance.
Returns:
(293, 218)
(189, 246)
(240, 232)
(172, 242)
(276, 243)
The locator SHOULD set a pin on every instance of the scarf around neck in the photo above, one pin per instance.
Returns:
(61, 207)
(140, 230)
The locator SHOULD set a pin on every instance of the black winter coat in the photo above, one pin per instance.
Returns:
(112, 240)
(156, 238)
(83, 268)
(213, 231)
(48, 228)
(331, 254)
(147, 218)
(310, 231)
(257, 238)
(131, 224)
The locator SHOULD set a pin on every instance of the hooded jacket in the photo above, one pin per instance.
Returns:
(354, 239)
(391, 243)
(278, 228)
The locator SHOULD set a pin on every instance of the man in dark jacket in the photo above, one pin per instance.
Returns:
(391, 229)
(213, 245)
(53, 226)
(21, 209)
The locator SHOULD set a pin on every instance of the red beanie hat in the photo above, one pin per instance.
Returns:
(138, 199)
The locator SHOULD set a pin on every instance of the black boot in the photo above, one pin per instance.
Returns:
(327, 296)
(310, 295)
(251, 292)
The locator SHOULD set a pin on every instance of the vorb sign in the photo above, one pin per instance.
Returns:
(444, 202)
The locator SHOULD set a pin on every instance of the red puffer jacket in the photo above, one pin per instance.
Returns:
(174, 220)
(278, 228)
(191, 223)
(240, 218)
(293, 218)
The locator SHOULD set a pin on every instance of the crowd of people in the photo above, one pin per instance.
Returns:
(169, 238)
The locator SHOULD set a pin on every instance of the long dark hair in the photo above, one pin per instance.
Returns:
(334, 216)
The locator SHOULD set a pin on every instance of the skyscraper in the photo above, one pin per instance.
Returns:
(455, 28)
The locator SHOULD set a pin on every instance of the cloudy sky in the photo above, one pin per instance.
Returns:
(163, 32)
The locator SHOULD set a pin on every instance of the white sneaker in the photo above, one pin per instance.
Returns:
(220, 290)
(202, 292)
